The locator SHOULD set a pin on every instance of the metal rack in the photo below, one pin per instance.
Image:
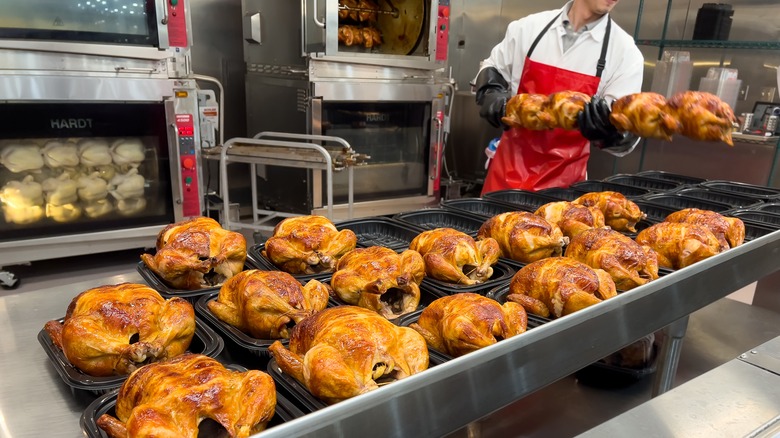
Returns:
(294, 150)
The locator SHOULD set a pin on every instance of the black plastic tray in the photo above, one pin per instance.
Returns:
(285, 411)
(502, 273)
(655, 212)
(427, 296)
(156, 283)
(381, 231)
(486, 208)
(432, 218)
(205, 341)
(667, 176)
(302, 397)
(256, 257)
(652, 184)
(759, 217)
(755, 191)
(732, 199)
(525, 200)
(567, 194)
(630, 192)
(755, 230)
(679, 202)
(769, 207)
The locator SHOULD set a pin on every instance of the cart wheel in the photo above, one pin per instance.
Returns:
(8, 280)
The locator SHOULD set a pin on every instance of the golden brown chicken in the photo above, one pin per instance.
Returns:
(465, 322)
(267, 304)
(730, 231)
(703, 116)
(170, 399)
(367, 37)
(453, 256)
(523, 236)
(197, 253)
(530, 111)
(380, 279)
(345, 351)
(565, 106)
(627, 262)
(680, 244)
(114, 329)
(620, 213)
(558, 286)
(308, 245)
(646, 115)
(571, 218)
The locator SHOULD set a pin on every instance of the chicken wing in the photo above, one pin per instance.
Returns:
(453, 256)
(646, 115)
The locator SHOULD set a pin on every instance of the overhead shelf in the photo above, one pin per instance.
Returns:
(711, 44)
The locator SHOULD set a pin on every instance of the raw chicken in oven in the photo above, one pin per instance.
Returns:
(454, 257)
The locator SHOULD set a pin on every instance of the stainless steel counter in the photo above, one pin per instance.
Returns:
(35, 402)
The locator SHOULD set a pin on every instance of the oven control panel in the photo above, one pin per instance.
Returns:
(443, 30)
(185, 129)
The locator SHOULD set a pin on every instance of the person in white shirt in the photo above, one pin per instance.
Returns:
(576, 48)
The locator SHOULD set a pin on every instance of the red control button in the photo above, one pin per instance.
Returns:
(188, 163)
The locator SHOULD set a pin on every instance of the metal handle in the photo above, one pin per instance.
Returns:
(136, 70)
(439, 138)
(165, 14)
(252, 29)
(314, 15)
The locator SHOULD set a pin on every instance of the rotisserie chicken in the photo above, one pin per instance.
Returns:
(358, 10)
(627, 262)
(380, 279)
(114, 329)
(345, 351)
(453, 256)
(523, 236)
(530, 111)
(367, 36)
(703, 116)
(558, 286)
(646, 115)
(266, 304)
(170, 399)
(197, 253)
(620, 213)
(730, 231)
(571, 218)
(680, 244)
(465, 322)
(308, 245)
(565, 106)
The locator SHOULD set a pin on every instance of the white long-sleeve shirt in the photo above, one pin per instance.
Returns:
(622, 74)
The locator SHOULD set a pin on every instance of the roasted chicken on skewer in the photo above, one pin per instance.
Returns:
(703, 116)
(539, 112)
(646, 115)
(367, 37)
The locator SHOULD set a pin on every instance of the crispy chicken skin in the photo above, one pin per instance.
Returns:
(680, 244)
(730, 231)
(523, 236)
(367, 37)
(465, 322)
(703, 116)
(627, 262)
(571, 218)
(620, 213)
(558, 286)
(646, 115)
(170, 399)
(529, 111)
(453, 256)
(197, 253)
(114, 329)
(308, 245)
(344, 351)
(565, 106)
(266, 304)
(379, 279)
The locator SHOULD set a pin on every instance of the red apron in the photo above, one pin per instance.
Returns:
(535, 160)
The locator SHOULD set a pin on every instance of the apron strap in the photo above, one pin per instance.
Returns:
(602, 59)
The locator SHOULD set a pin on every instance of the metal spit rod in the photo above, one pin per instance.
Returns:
(394, 12)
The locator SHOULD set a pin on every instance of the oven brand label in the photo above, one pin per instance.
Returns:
(71, 123)
(374, 117)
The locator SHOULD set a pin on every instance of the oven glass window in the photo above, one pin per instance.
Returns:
(77, 168)
(102, 21)
(396, 137)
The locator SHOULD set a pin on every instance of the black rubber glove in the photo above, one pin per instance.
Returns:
(594, 125)
(492, 95)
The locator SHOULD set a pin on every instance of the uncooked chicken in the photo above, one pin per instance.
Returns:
(454, 257)
(523, 236)
(308, 245)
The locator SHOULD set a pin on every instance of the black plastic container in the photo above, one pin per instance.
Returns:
(528, 201)
(432, 218)
(652, 184)
(502, 273)
(485, 208)
(427, 296)
(257, 258)
(680, 202)
(713, 22)
(759, 217)
(380, 231)
(561, 194)
(732, 199)
(759, 192)
(606, 186)
(755, 230)
(285, 411)
(667, 176)
(155, 282)
(205, 341)
(655, 212)
(770, 207)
